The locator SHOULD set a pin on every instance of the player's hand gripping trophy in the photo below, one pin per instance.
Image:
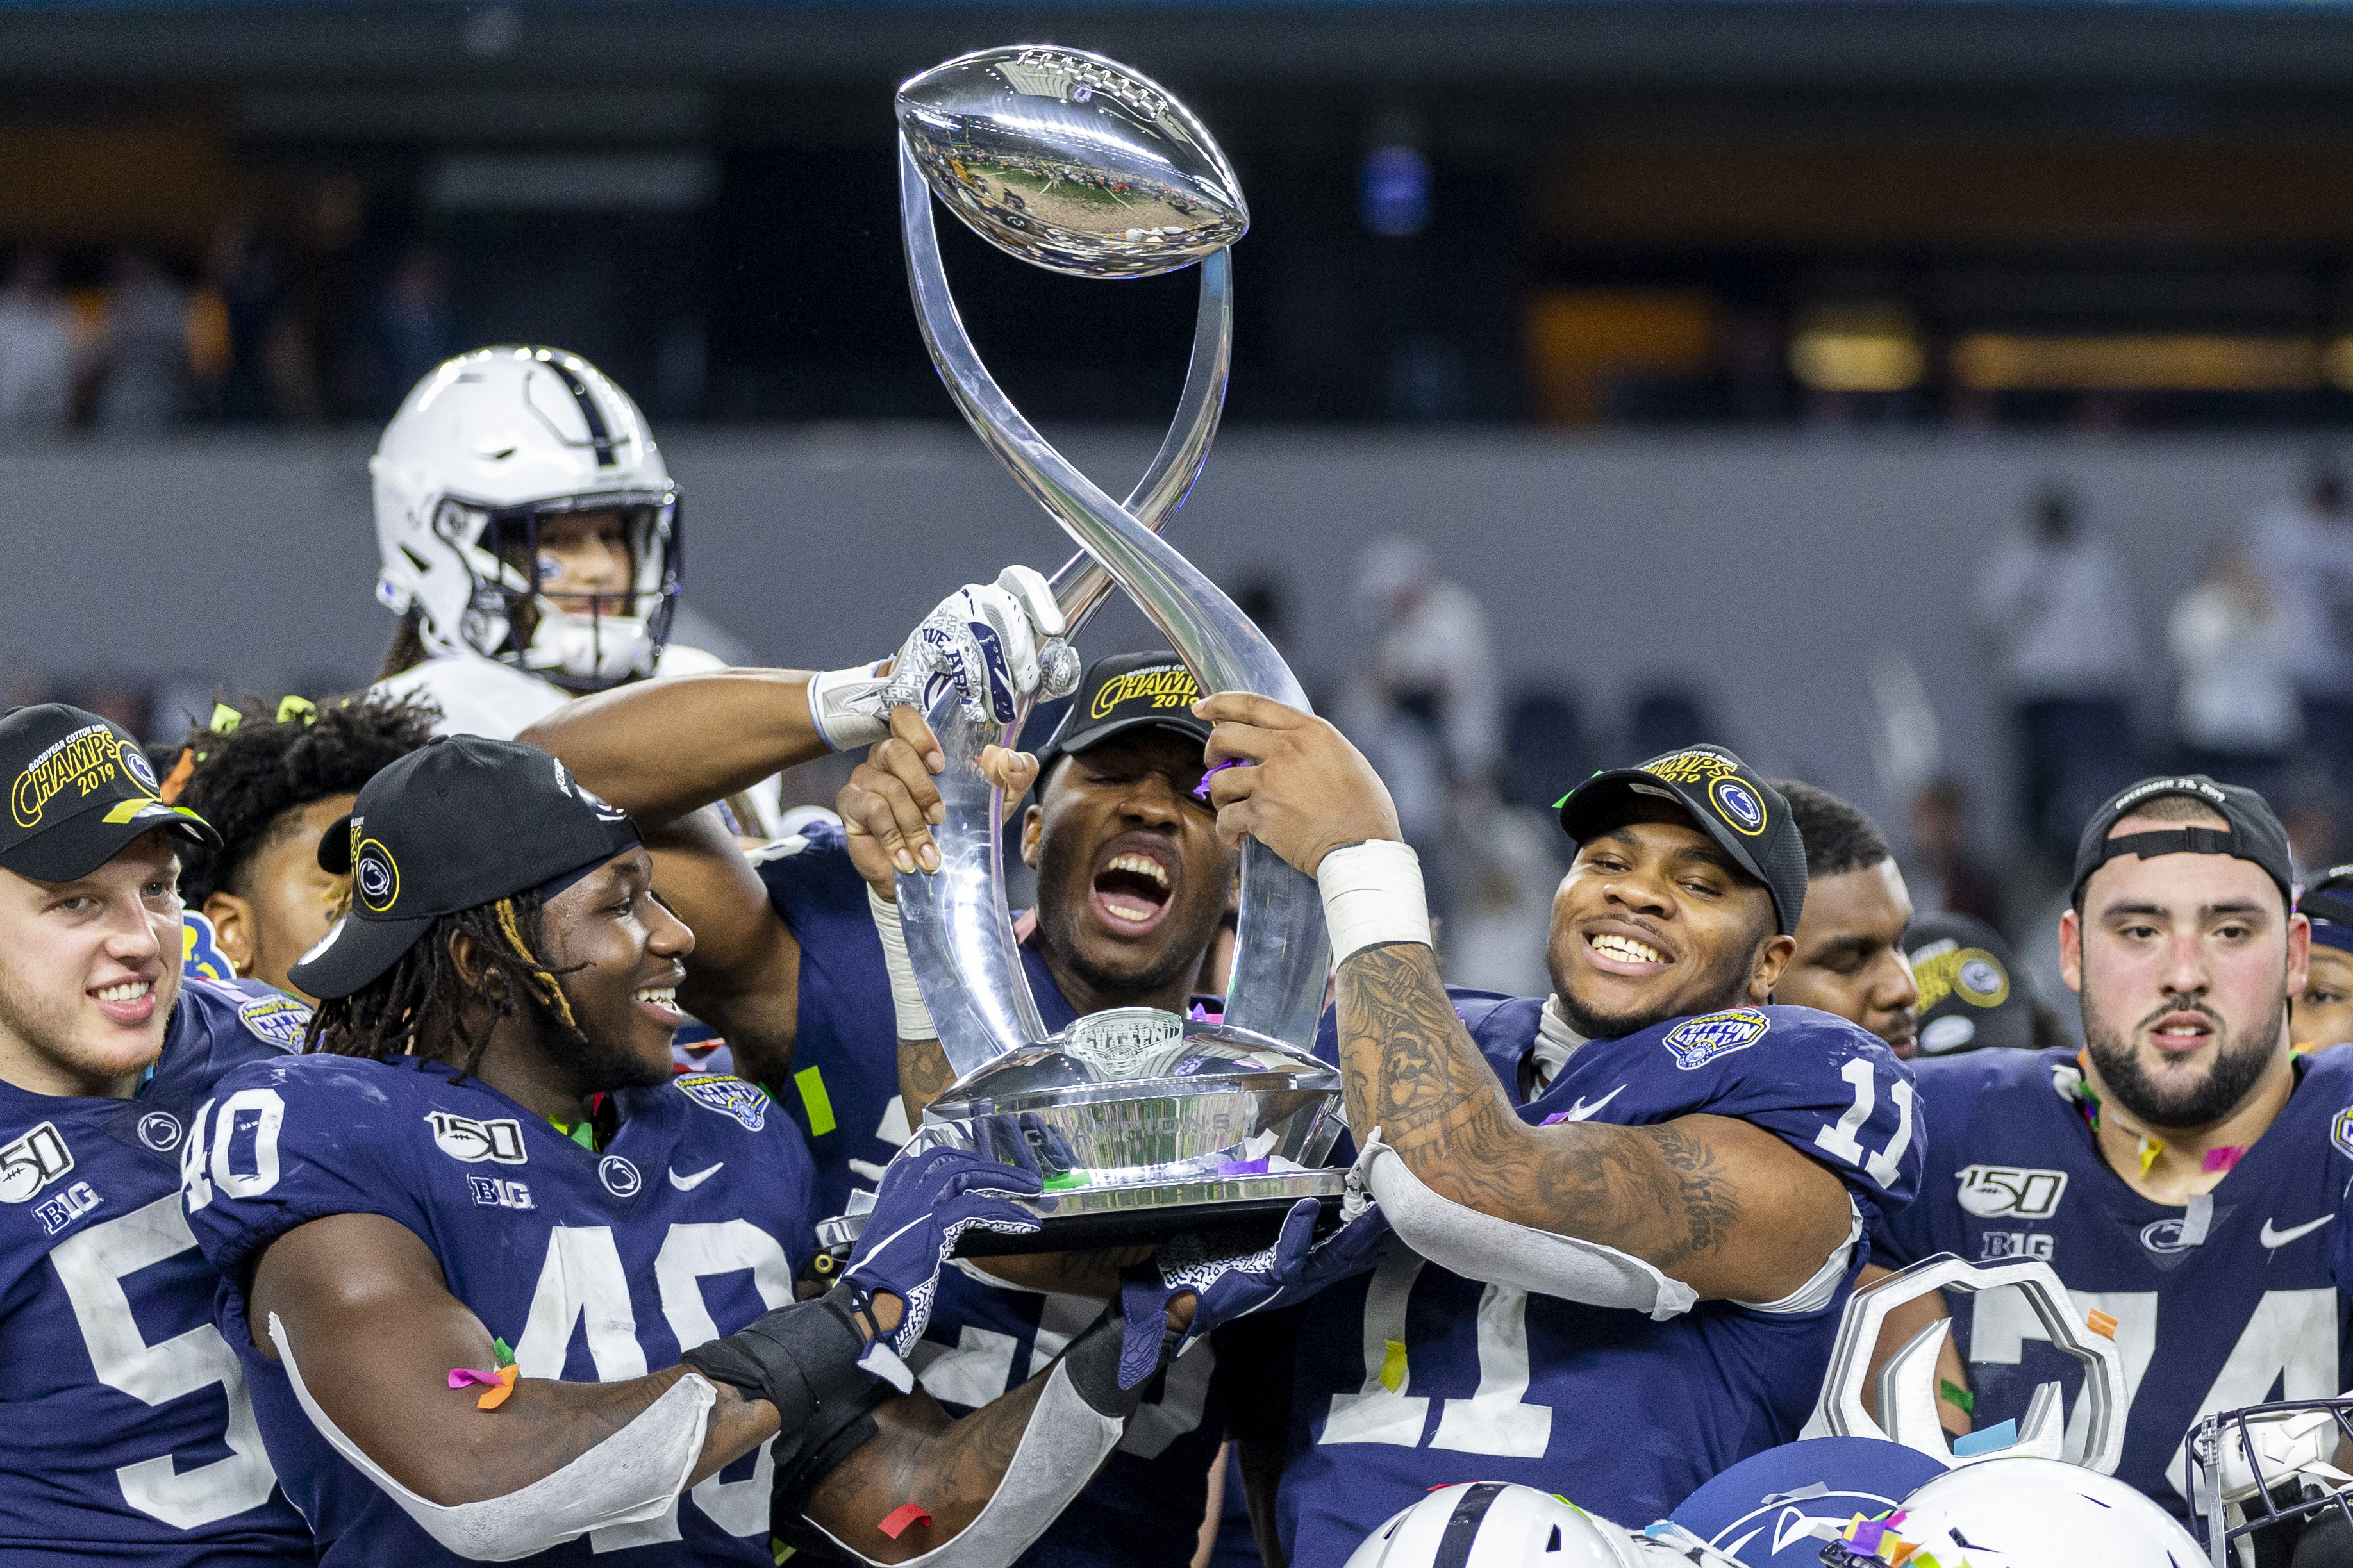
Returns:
(1138, 1121)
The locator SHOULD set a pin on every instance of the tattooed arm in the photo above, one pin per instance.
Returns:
(921, 1455)
(1726, 1207)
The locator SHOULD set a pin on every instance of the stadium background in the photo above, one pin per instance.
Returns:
(1714, 347)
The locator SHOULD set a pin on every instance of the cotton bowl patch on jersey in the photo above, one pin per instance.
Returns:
(1772, 1508)
(280, 1020)
(728, 1096)
(1695, 1042)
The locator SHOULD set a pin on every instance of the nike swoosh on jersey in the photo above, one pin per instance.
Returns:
(688, 1183)
(2282, 1237)
(1580, 1111)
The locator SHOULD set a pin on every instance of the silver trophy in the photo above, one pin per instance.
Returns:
(1139, 1123)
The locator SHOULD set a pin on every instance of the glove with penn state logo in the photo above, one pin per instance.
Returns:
(1232, 1284)
(929, 1196)
(994, 643)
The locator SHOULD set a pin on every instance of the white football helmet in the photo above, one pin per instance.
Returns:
(1491, 1524)
(483, 452)
(2026, 1513)
(2278, 1468)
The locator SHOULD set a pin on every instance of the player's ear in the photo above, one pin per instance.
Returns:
(2071, 949)
(233, 925)
(1773, 955)
(1033, 835)
(475, 970)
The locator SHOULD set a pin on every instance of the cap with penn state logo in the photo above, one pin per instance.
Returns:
(2328, 901)
(79, 790)
(2255, 832)
(1125, 692)
(461, 823)
(1973, 996)
(1726, 799)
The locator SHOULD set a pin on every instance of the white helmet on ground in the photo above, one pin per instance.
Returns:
(1491, 1524)
(483, 452)
(2024, 1513)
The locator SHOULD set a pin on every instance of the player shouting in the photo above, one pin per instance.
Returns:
(1132, 885)
(2186, 1173)
(1632, 1280)
(130, 1437)
(492, 1149)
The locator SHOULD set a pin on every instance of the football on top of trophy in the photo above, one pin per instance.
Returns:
(1071, 161)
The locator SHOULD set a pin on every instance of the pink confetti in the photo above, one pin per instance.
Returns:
(459, 1376)
(2222, 1159)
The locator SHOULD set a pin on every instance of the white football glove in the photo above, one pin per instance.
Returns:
(994, 643)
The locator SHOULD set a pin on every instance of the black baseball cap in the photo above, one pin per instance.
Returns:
(2328, 900)
(1728, 800)
(1972, 994)
(461, 823)
(2255, 832)
(1124, 692)
(79, 790)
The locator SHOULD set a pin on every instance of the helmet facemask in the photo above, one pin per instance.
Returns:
(577, 641)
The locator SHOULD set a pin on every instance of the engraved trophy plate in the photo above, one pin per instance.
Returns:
(1137, 1121)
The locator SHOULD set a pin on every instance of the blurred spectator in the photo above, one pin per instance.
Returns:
(244, 275)
(2057, 608)
(1505, 875)
(1425, 707)
(2236, 715)
(1945, 874)
(2304, 550)
(127, 700)
(141, 357)
(1545, 750)
(415, 328)
(1664, 717)
(2307, 807)
(36, 351)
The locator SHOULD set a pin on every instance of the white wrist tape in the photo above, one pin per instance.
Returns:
(632, 1476)
(846, 706)
(1066, 1442)
(907, 995)
(1372, 894)
(1816, 1293)
(1481, 1246)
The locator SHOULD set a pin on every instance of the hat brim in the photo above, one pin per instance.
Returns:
(1594, 805)
(1185, 724)
(354, 953)
(75, 846)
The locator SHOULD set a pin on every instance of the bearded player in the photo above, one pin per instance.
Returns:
(131, 1436)
(2186, 1173)
(1631, 1280)
(1131, 886)
(488, 1148)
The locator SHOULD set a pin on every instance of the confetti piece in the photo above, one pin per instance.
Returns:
(1903, 1550)
(1393, 1366)
(498, 1396)
(1985, 1442)
(1242, 1168)
(2150, 1150)
(2222, 1159)
(1201, 790)
(1866, 1536)
(1953, 1394)
(462, 1376)
(1557, 1116)
(2100, 1324)
(902, 1518)
(1851, 1526)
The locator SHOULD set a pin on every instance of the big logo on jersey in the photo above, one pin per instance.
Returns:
(32, 1162)
(463, 1138)
(728, 1096)
(1695, 1042)
(1994, 1192)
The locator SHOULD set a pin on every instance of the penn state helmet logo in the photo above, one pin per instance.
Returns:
(1739, 806)
(620, 1177)
(375, 877)
(135, 764)
(160, 1130)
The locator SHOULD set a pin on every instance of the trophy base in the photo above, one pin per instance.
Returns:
(1094, 1219)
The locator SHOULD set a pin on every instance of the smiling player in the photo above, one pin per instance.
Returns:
(2185, 1175)
(130, 1436)
(1627, 1275)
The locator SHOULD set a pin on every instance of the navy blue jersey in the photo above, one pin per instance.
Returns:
(594, 1265)
(1412, 1377)
(2253, 1312)
(985, 1337)
(129, 1435)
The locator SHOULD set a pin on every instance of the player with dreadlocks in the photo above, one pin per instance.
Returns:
(485, 1147)
(270, 781)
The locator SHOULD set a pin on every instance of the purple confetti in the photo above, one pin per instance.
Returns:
(1201, 790)
(1242, 1168)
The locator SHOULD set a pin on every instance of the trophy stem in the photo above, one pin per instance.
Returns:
(1282, 954)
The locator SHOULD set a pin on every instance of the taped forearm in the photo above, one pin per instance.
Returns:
(1481, 1246)
(632, 1476)
(906, 993)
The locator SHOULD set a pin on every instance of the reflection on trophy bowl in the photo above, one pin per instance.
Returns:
(1071, 161)
(1137, 1121)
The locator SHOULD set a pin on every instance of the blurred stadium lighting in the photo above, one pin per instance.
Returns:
(1996, 361)
(1858, 348)
(1396, 191)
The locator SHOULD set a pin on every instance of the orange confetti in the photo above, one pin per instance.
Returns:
(2100, 1324)
(497, 1397)
(1903, 1550)
(182, 771)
